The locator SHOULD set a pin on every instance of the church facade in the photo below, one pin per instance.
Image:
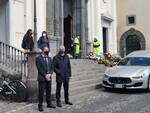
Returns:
(62, 19)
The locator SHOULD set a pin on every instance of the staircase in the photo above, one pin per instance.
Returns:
(86, 74)
(12, 62)
(86, 77)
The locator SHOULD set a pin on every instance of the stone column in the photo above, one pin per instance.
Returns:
(53, 24)
(57, 23)
(62, 21)
(77, 17)
(50, 17)
(83, 38)
(32, 86)
(11, 22)
(97, 22)
(57, 17)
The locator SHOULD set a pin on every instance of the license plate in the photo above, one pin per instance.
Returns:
(118, 86)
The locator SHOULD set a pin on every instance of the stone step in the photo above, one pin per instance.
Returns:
(84, 88)
(88, 72)
(81, 89)
(81, 71)
(81, 96)
(77, 84)
(84, 77)
(87, 62)
(85, 74)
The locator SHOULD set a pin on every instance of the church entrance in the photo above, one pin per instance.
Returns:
(130, 41)
(132, 44)
(68, 25)
(105, 40)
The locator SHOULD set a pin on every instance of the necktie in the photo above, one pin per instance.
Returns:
(47, 64)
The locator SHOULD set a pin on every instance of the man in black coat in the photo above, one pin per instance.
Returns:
(62, 68)
(45, 70)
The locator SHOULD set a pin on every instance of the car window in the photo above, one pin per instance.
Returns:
(132, 61)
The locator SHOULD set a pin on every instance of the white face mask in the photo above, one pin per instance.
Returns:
(44, 35)
(62, 54)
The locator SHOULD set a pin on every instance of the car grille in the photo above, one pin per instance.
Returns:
(119, 80)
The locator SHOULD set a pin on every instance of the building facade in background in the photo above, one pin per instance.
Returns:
(62, 19)
(16, 17)
(133, 30)
(102, 24)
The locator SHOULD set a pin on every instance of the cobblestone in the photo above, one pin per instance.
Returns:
(99, 101)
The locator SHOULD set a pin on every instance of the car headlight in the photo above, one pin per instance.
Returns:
(139, 76)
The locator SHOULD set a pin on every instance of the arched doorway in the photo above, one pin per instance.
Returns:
(130, 41)
(132, 44)
(68, 24)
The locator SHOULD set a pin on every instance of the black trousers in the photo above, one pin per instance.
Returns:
(42, 87)
(66, 91)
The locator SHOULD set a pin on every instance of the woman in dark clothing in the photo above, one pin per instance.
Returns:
(43, 40)
(27, 42)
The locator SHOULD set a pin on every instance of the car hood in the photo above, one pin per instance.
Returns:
(125, 71)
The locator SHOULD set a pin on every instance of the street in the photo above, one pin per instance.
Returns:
(99, 101)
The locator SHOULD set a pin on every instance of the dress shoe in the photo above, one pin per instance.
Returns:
(69, 103)
(40, 107)
(59, 105)
(50, 106)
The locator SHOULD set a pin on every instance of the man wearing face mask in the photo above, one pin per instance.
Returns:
(62, 68)
(45, 70)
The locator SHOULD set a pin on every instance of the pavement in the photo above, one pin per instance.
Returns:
(98, 101)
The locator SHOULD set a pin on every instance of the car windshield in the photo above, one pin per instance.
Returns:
(135, 61)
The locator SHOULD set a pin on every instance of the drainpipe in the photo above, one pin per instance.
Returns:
(35, 49)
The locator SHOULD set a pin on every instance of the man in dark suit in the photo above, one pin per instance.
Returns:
(45, 70)
(62, 68)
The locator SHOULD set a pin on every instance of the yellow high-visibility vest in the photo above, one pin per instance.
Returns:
(76, 41)
(96, 44)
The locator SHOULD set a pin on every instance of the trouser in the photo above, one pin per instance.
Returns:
(96, 50)
(77, 49)
(58, 91)
(42, 87)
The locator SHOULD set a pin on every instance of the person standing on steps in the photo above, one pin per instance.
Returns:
(96, 45)
(62, 68)
(43, 40)
(27, 42)
(44, 66)
(76, 42)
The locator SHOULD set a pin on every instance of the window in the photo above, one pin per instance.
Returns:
(135, 61)
(131, 20)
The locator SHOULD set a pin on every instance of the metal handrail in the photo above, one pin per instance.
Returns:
(13, 59)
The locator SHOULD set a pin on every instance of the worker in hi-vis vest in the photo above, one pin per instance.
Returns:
(96, 44)
(76, 42)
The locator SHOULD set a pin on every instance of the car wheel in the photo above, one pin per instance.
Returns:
(148, 84)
